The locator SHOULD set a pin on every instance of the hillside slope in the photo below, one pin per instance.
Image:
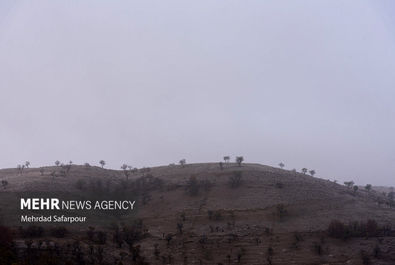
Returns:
(210, 222)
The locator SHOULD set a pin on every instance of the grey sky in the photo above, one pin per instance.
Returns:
(309, 83)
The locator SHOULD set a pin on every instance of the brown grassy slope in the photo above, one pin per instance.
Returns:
(245, 213)
(310, 202)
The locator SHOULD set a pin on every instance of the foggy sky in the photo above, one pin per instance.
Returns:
(307, 83)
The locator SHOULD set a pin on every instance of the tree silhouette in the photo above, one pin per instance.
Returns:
(102, 163)
(368, 187)
(20, 168)
(57, 163)
(239, 160)
(312, 172)
(182, 162)
(281, 165)
(236, 179)
(349, 184)
(4, 183)
(355, 188)
(226, 159)
(124, 167)
(192, 186)
(304, 170)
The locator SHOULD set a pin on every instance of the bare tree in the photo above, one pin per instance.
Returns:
(20, 169)
(124, 167)
(304, 170)
(236, 180)
(182, 162)
(281, 165)
(226, 159)
(239, 160)
(102, 163)
(4, 183)
(349, 184)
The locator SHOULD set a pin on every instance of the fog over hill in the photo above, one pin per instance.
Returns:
(308, 84)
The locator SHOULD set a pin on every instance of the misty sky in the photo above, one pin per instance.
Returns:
(308, 83)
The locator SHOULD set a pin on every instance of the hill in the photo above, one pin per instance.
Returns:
(202, 214)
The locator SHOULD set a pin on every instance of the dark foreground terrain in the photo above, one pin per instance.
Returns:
(198, 214)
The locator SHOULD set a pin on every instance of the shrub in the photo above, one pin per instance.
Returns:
(80, 184)
(7, 253)
(235, 180)
(192, 186)
(214, 215)
(317, 248)
(4, 183)
(31, 231)
(371, 228)
(281, 211)
(6, 239)
(59, 232)
(337, 229)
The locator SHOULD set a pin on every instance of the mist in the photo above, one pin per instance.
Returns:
(149, 83)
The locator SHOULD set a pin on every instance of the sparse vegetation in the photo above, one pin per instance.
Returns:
(349, 184)
(4, 183)
(338, 229)
(31, 231)
(281, 211)
(183, 162)
(59, 232)
(214, 215)
(235, 180)
(226, 159)
(193, 186)
(102, 163)
(312, 172)
(304, 170)
(239, 160)
(81, 184)
(281, 165)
